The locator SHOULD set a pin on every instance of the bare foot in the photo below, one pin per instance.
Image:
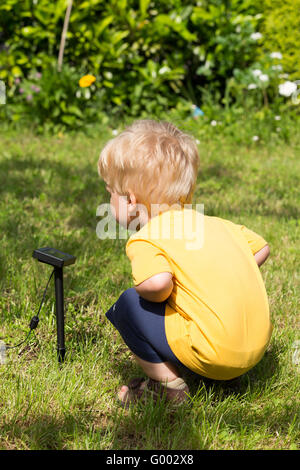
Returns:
(123, 392)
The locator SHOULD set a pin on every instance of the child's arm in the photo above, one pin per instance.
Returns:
(262, 255)
(157, 288)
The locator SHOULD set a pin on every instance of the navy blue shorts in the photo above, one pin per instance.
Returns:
(141, 324)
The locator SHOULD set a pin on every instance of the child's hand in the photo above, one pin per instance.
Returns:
(262, 255)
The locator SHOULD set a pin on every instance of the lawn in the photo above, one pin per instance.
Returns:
(50, 191)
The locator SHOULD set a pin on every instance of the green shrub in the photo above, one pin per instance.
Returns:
(281, 30)
(148, 57)
(138, 50)
(54, 100)
(256, 86)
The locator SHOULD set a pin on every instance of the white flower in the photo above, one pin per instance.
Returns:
(213, 123)
(255, 138)
(256, 72)
(252, 86)
(277, 118)
(287, 88)
(197, 141)
(256, 36)
(238, 29)
(276, 67)
(263, 77)
(276, 55)
(278, 129)
(115, 132)
(87, 94)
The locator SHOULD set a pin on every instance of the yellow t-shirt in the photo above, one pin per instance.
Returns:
(217, 317)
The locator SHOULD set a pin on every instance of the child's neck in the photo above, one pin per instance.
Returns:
(156, 209)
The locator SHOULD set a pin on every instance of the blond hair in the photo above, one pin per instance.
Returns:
(155, 160)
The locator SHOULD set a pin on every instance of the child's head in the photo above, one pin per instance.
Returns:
(155, 161)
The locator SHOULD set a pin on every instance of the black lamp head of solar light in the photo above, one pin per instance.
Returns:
(53, 257)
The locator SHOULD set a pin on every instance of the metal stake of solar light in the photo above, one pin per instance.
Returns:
(58, 260)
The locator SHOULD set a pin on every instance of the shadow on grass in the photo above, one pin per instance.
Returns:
(80, 185)
(48, 432)
(61, 183)
(42, 433)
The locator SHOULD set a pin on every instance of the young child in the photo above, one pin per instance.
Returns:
(201, 306)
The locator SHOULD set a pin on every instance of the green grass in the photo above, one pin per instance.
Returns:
(50, 190)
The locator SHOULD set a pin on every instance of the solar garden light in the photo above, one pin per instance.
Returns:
(58, 260)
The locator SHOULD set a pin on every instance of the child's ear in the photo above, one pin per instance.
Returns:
(131, 199)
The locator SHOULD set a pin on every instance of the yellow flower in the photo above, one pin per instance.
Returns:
(87, 80)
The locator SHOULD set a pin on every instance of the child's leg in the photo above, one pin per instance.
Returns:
(141, 325)
(161, 371)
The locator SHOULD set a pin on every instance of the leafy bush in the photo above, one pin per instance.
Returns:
(147, 57)
(256, 86)
(281, 30)
(54, 101)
